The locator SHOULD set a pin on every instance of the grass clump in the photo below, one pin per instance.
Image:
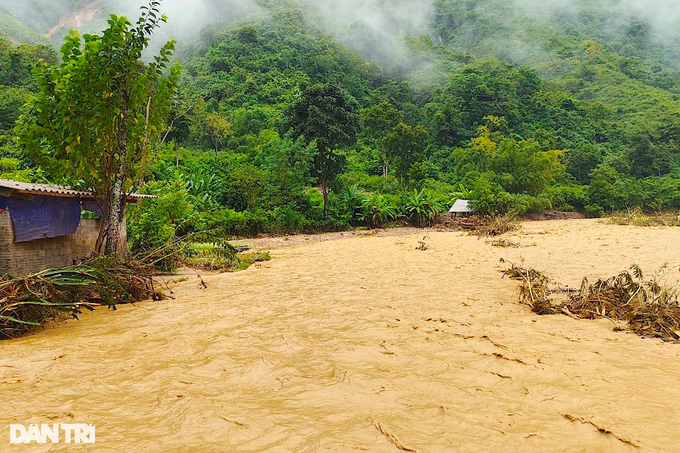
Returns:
(637, 217)
(222, 257)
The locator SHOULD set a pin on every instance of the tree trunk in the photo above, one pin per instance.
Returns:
(116, 234)
(324, 191)
(103, 230)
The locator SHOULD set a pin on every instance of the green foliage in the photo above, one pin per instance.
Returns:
(603, 191)
(379, 210)
(17, 89)
(507, 175)
(488, 197)
(405, 148)
(594, 211)
(280, 128)
(378, 121)
(421, 207)
(18, 31)
(156, 222)
(265, 61)
(326, 115)
(12, 102)
(353, 199)
(103, 104)
(17, 63)
(569, 197)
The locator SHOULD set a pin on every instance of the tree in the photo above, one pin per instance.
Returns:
(286, 168)
(582, 159)
(12, 101)
(325, 114)
(647, 157)
(525, 167)
(217, 130)
(522, 166)
(100, 114)
(378, 121)
(603, 191)
(405, 146)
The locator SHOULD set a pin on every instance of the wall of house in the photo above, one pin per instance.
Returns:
(41, 254)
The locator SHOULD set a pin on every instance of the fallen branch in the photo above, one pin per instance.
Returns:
(392, 438)
(607, 431)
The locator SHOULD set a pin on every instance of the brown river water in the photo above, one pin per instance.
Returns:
(363, 344)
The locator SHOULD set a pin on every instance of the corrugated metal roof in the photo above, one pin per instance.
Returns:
(461, 206)
(47, 189)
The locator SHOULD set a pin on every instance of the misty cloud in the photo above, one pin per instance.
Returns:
(187, 18)
(376, 28)
(663, 16)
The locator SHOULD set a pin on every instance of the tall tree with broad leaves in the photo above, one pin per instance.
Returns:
(405, 146)
(378, 121)
(100, 114)
(325, 114)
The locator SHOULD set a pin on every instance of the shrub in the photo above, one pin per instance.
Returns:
(489, 198)
(524, 203)
(154, 223)
(421, 207)
(379, 210)
(569, 198)
(353, 199)
(594, 211)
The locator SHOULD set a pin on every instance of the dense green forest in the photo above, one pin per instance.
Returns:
(517, 109)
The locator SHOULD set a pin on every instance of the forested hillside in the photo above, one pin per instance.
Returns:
(570, 105)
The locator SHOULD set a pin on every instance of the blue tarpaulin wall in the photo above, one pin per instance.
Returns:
(93, 206)
(42, 217)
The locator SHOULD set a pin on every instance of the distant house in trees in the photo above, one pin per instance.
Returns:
(462, 207)
(41, 226)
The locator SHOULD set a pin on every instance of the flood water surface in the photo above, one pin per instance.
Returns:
(362, 344)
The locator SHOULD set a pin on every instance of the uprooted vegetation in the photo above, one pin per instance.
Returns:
(637, 217)
(204, 251)
(31, 301)
(35, 300)
(651, 308)
(221, 258)
(480, 225)
(504, 243)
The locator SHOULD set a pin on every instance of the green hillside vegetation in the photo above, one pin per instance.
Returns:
(17, 89)
(518, 110)
(40, 15)
(14, 30)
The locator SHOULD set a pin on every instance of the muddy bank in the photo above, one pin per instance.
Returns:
(364, 344)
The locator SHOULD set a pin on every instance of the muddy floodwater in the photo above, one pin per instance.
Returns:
(363, 344)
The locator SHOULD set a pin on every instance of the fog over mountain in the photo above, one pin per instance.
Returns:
(377, 28)
(663, 16)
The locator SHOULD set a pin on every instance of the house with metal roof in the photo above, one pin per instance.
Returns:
(42, 227)
(462, 207)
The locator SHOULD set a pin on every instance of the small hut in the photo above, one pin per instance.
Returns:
(462, 208)
(41, 226)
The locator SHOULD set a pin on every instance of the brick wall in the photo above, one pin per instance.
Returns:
(41, 254)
